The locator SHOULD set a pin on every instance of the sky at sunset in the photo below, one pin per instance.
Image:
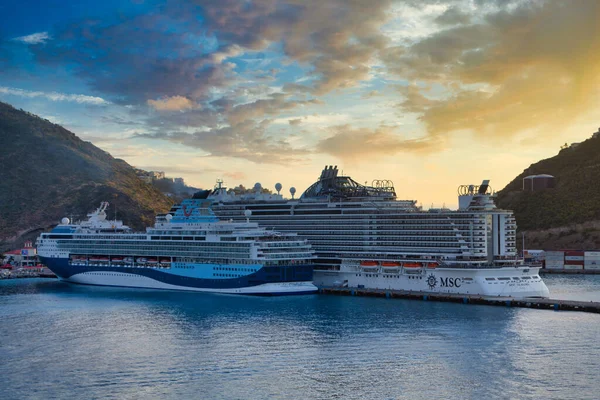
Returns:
(430, 94)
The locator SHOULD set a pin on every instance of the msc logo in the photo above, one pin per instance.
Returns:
(431, 281)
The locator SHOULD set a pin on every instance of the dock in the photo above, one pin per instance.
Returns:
(545, 304)
(570, 271)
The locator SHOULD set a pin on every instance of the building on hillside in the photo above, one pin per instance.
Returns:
(25, 257)
(596, 134)
(157, 174)
(179, 181)
(150, 176)
(534, 183)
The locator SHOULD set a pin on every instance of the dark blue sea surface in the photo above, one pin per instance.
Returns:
(82, 342)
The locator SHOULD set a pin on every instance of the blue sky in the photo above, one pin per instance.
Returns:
(430, 94)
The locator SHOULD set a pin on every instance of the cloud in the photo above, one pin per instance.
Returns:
(528, 66)
(173, 60)
(453, 16)
(272, 106)
(295, 122)
(137, 58)
(173, 103)
(237, 175)
(369, 95)
(34, 38)
(248, 141)
(54, 96)
(355, 144)
(492, 68)
(337, 38)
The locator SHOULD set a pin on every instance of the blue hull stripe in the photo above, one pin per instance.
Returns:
(279, 274)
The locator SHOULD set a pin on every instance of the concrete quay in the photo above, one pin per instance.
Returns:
(546, 304)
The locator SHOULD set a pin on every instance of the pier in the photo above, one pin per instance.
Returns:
(570, 271)
(546, 304)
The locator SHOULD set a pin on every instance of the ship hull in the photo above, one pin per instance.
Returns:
(507, 282)
(271, 281)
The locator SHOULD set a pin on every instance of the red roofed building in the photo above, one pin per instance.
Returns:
(25, 257)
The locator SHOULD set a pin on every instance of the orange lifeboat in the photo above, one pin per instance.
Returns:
(412, 268)
(369, 263)
(369, 266)
(432, 265)
(390, 264)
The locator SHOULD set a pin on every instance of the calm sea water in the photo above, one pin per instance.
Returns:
(61, 341)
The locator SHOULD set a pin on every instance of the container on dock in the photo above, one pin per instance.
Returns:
(591, 263)
(534, 254)
(573, 258)
(554, 265)
(573, 266)
(574, 252)
(592, 267)
(592, 254)
(554, 255)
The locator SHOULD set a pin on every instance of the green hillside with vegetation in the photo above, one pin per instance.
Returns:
(47, 172)
(567, 215)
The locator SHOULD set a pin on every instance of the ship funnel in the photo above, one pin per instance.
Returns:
(475, 197)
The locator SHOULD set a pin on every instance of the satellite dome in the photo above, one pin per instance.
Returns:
(278, 187)
(293, 191)
(65, 221)
(168, 217)
(247, 213)
(257, 186)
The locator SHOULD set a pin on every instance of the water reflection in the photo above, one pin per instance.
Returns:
(76, 341)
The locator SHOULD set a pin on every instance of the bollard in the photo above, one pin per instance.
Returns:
(465, 300)
(425, 297)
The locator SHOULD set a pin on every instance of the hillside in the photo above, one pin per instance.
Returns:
(567, 216)
(46, 173)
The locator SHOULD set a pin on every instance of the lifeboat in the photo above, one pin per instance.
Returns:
(369, 266)
(79, 260)
(141, 260)
(165, 261)
(412, 268)
(152, 261)
(390, 264)
(369, 263)
(432, 265)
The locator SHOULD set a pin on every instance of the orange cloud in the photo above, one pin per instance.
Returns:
(535, 67)
(353, 143)
(173, 103)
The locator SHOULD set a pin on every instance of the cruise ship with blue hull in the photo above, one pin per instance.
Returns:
(189, 249)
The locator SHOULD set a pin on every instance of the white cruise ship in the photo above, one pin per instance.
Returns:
(364, 237)
(189, 249)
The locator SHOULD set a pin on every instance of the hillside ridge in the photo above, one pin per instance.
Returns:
(568, 215)
(47, 172)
